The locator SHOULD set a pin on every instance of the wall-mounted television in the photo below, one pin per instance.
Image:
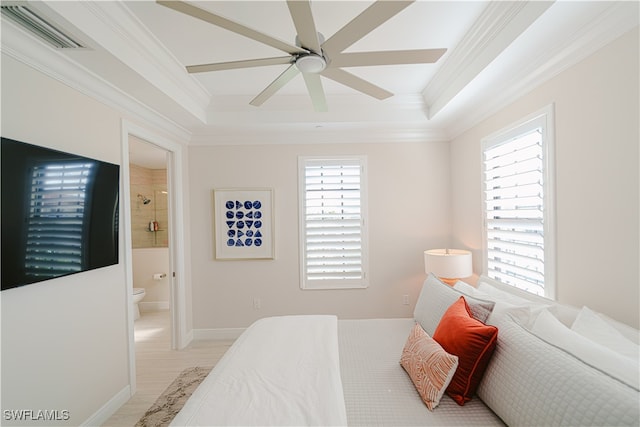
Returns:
(59, 213)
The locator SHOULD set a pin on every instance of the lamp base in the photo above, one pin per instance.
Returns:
(449, 282)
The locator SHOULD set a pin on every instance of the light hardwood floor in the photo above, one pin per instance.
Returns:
(157, 365)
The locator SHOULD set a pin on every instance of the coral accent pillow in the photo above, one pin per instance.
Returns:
(472, 341)
(428, 365)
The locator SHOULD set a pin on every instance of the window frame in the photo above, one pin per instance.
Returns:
(545, 121)
(343, 283)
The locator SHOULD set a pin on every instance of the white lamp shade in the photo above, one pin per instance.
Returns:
(448, 263)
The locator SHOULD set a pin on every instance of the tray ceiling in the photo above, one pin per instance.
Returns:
(496, 51)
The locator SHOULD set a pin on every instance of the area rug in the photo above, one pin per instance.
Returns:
(171, 401)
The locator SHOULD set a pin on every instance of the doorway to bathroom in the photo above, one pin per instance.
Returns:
(150, 228)
(154, 201)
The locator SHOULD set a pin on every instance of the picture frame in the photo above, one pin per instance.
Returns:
(243, 223)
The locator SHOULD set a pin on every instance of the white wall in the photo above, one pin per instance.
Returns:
(147, 262)
(64, 341)
(597, 181)
(409, 210)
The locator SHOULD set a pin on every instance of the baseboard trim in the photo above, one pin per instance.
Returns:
(153, 305)
(217, 334)
(109, 408)
(186, 340)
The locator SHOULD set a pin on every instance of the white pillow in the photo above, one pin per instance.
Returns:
(565, 313)
(520, 312)
(436, 297)
(496, 294)
(467, 288)
(554, 332)
(629, 332)
(591, 326)
(502, 295)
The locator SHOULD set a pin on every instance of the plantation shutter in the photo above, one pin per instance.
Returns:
(56, 218)
(332, 223)
(514, 209)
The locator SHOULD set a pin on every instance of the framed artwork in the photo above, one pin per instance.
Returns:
(243, 223)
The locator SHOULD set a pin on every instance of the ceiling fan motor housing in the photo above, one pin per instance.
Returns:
(311, 63)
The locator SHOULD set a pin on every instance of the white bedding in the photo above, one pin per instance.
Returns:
(378, 392)
(295, 380)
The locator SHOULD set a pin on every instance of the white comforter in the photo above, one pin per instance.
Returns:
(281, 371)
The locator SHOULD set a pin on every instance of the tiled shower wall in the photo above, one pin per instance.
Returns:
(152, 184)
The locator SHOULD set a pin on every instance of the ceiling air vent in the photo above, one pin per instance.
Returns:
(39, 26)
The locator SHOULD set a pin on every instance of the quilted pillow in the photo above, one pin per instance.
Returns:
(428, 365)
(472, 341)
(436, 297)
(530, 382)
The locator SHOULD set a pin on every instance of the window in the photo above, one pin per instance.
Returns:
(333, 238)
(57, 218)
(518, 205)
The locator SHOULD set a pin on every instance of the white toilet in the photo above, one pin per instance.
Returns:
(138, 294)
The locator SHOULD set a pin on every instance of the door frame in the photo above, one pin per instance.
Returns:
(177, 261)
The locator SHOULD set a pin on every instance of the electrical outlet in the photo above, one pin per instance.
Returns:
(405, 299)
(257, 303)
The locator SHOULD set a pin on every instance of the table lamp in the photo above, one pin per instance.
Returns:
(448, 265)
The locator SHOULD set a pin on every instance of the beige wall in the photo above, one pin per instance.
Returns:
(409, 202)
(64, 341)
(597, 181)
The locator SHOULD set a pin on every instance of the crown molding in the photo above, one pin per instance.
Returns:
(118, 31)
(325, 133)
(350, 108)
(32, 52)
(497, 27)
(552, 59)
(352, 118)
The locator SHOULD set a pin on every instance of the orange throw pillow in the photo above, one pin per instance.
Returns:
(472, 341)
(428, 365)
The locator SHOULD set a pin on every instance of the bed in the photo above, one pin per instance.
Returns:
(318, 370)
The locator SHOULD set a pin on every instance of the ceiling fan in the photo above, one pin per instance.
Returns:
(312, 55)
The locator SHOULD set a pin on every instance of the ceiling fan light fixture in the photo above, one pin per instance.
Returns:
(311, 63)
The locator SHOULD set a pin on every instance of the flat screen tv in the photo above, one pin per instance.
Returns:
(59, 213)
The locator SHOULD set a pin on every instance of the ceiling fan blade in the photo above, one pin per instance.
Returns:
(232, 65)
(361, 25)
(275, 86)
(314, 86)
(230, 25)
(356, 83)
(305, 25)
(392, 57)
